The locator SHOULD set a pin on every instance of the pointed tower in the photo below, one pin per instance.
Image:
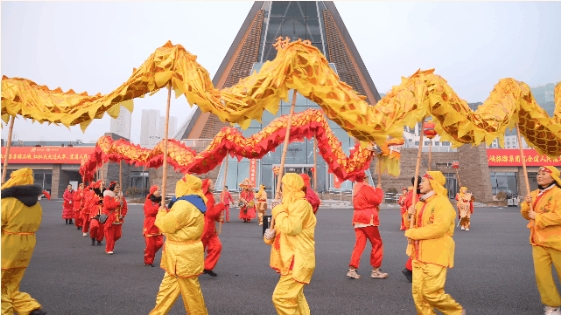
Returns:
(317, 21)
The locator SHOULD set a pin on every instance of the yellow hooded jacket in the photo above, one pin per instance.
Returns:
(21, 218)
(183, 252)
(434, 227)
(293, 247)
(546, 228)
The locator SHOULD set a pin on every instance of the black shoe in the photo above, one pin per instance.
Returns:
(79, 228)
(151, 265)
(38, 312)
(408, 274)
(98, 243)
(210, 273)
(65, 221)
(70, 221)
(93, 241)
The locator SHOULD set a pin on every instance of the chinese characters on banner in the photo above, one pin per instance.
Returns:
(253, 171)
(47, 155)
(511, 157)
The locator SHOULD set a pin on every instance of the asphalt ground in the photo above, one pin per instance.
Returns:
(493, 272)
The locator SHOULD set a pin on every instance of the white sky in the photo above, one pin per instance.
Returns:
(93, 46)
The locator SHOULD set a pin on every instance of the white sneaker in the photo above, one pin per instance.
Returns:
(109, 253)
(549, 310)
(378, 274)
(462, 228)
(352, 274)
(467, 229)
(84, 234)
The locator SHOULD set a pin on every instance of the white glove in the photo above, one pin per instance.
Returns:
(270, 234)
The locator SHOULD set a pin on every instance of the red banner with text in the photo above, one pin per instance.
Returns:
(253, 172)
(511, 157)
(47, 155)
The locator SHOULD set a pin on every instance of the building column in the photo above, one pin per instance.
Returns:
(55, 189)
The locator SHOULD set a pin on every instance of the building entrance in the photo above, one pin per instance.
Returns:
(298, 169)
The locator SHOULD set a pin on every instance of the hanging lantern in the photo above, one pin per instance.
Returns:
(455, 165)
(428, 130)
(313, 169)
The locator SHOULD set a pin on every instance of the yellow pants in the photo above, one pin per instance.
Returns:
(428, 290)
(260, 214)
(543, 258)
(14, 301)
(190, 291)
(288, 297)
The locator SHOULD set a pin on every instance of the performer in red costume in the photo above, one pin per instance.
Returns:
(247, 202)
(226, 199)
(96, 206)
(77, 202)
(67, 208)
(366, 201)
(311, 195)
(401, 202)
(211, 242)
(115, 207)
(408, 271)
(89, 194)
(152, 235)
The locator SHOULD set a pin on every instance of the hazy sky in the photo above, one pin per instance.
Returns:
(93, 46)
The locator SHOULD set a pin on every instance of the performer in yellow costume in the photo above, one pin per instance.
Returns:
(21, 218)
(261, 203)
(545, 234)
(293, 246)
(183, 253)
(432, 247)
(465, 208)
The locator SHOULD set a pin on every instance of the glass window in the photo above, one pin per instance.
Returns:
(267, 178)
(294, 9)
(242, 172)
(313, 31)
(48, 182)
(296, 153)
(278, 9)
(300, 28)
(38, 179)
(250, 131)
(311, 9)
(273, 31)
(446, 143)
(288, 27)
(436, 143)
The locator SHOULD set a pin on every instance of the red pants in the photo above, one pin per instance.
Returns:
(113, 233)
(77, 219)
(96, 230)
(153, 245)
(373, 235)
(409, 264)
(85, 223)
(213, 247)
(403, 227)
(227, 212)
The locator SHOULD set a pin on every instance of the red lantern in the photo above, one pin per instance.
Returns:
(455, 165)
(313, 169)
(428, 130)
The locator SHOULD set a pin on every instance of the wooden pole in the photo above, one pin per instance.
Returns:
(285, 147)
(416, 181)
(430, 153)
(165, 164)
(284, 150)
(458, 176)
(8, 145)
(121, 176)
(222, 194)
(315, 165)
(523, 164)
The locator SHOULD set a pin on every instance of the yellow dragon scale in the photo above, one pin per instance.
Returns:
(301, 66)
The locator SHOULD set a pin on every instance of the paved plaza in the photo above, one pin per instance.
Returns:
(493, 272)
